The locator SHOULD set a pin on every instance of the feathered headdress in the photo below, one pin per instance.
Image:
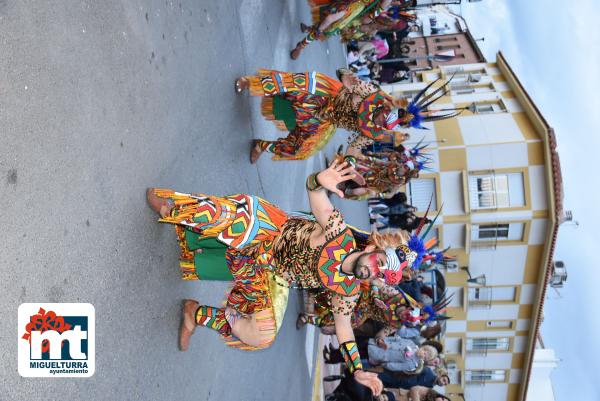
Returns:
(425, 251)
(435, 312)
(428, 313)
(416, 112)
(419, 156)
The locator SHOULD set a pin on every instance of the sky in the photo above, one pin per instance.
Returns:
(554, 48)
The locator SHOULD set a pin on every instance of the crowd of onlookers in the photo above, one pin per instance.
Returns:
(410, 363)
(375, 58)
(394, 213)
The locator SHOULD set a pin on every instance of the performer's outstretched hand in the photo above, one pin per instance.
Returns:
(370, 380)
(335, 174)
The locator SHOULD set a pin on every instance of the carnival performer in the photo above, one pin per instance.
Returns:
(384, 172)
(312, 105)
(322, 253)
(331, 16)
(392, 20)
(388, 304)
(384, 177)
(382, 303)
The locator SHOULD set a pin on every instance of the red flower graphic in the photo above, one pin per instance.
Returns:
(42, 322)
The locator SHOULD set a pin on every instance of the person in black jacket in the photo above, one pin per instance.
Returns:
(350, 390)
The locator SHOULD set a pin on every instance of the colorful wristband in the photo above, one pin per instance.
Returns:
(349, 351)
(312, 184)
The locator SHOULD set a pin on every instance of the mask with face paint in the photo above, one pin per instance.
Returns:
(398, 259)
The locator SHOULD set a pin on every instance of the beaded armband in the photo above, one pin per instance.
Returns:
(349, 351)
(312, 184)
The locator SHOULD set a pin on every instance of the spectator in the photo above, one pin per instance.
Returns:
(427, 378)
(419, 393)
(398, 354)
(350, 390)
(406, 221)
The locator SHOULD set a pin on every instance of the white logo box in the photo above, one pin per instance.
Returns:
(79, 364)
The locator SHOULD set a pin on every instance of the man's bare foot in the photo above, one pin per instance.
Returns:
(241, 84)
(255, 152)
(188, 323)
(159, 205)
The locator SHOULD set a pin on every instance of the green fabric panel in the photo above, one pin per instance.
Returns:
(283, 111)
(210, 264)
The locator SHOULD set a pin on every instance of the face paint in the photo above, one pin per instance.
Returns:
(368, 263)
(373, 260)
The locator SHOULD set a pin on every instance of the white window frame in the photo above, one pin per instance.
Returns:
(490, 107)
(485, 375)
(482, 345)
(466, 88)
(490, 232)
(493, 190)
(487, 190)
(498, 232)
(462, 90)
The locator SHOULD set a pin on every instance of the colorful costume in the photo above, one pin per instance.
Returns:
(353, 11)
(390, 305)
(311, 106)
(385, 172)
(367, 308)
(383, 177)
(263, 249)
(385, 21)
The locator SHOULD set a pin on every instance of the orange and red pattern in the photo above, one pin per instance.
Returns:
(44, 321)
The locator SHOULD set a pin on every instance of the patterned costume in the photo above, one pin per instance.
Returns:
(262, 246)
(311, 106)
(384, 172)
(366, 308)
(385, 21)
(353, 11)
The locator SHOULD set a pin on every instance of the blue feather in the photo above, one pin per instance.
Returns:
(417, 118)
(431, 312)
(416, 245)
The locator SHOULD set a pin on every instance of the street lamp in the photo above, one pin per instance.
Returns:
(479, 280)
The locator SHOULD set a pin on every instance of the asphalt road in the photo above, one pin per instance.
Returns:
(99, 100)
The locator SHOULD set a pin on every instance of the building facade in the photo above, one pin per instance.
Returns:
(497, 174)
(442, 39)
